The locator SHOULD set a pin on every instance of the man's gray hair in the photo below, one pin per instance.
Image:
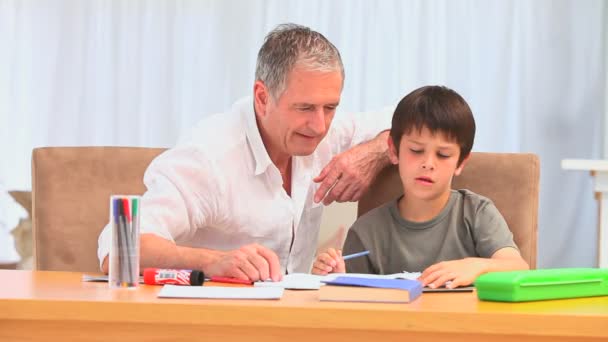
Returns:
(291, 45)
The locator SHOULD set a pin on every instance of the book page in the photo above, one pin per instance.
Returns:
(306, 281)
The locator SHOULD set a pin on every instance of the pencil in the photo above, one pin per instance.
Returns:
(354, 255)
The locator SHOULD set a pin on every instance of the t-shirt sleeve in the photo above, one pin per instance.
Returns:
(353, 244)
(179, 197)
(491, 231)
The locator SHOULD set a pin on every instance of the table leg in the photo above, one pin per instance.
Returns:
(601, 188)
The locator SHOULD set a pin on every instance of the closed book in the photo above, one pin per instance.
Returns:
(354, 289)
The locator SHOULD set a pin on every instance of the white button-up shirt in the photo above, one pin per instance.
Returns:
(218, 188)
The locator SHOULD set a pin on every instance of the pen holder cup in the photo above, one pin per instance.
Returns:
(124, 253)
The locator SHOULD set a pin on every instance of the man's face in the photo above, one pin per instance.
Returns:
(427, 163)
(299, 119)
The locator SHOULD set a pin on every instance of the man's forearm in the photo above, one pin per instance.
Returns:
(378, 149)
(158, 252)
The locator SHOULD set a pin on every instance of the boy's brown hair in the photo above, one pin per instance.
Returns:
(439, 109)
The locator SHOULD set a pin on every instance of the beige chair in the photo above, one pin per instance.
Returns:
(71, 187)
(510, 180)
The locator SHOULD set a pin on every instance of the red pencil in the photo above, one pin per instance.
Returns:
(230, 280)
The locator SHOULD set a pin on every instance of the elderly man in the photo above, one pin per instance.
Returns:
(239, 196)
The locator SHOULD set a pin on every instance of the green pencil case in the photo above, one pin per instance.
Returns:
(522, 286)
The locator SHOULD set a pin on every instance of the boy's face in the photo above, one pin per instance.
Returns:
(427, 163)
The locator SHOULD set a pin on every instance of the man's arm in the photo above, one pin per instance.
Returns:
(252, 262)
(349, 174)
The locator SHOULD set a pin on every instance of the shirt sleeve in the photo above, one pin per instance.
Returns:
(350, 129)
(174, 205)
(491, 231)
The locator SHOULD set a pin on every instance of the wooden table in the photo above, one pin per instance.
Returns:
(57, 306)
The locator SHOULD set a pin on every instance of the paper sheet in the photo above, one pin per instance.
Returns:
(218, 292)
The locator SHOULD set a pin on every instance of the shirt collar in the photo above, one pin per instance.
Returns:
(260, 155)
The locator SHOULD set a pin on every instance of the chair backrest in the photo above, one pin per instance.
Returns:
(71, 188)
(510, 180)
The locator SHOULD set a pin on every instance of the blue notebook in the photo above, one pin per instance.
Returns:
(370, 290)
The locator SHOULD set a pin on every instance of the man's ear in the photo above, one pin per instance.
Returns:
(260, 98)
(393, 155)
(461, 166)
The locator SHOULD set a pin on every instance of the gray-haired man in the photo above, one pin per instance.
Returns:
(238, 197)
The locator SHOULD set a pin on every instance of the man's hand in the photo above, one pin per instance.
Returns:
(349, 174)
(250, 262)
(329, 262)
(460, 272)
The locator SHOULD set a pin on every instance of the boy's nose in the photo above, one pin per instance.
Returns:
(428, 164)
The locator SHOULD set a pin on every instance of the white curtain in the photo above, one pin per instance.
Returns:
(139, 73)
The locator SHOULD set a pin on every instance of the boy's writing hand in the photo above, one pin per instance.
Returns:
(461, 272)
(329, 262)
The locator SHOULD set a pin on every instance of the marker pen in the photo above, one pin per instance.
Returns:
(160, 276)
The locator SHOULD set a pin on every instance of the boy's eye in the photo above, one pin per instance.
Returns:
(415, 151)
(443, 156)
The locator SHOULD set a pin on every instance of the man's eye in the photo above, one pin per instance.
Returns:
(305, 109)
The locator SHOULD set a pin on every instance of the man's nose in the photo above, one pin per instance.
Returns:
(317, 121)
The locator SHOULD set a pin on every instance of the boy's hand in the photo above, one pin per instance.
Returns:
(461, 272)
(329, 262)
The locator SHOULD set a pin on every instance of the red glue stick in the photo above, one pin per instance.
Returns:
(160, 276)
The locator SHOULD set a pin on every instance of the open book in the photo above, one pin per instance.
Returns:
(356, 289)
(305, 281)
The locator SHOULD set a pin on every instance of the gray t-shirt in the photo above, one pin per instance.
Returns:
(468, 226)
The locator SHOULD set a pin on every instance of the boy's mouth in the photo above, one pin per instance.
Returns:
(425, 180)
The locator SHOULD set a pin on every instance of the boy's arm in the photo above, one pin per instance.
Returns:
(493, 243)
(463, 272)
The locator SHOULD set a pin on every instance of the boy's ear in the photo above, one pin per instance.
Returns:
(461, 166)
(392, 151)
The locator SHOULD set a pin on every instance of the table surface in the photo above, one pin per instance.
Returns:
(585, 164)
(53, 298)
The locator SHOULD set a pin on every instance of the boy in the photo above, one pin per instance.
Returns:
(451, 236)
